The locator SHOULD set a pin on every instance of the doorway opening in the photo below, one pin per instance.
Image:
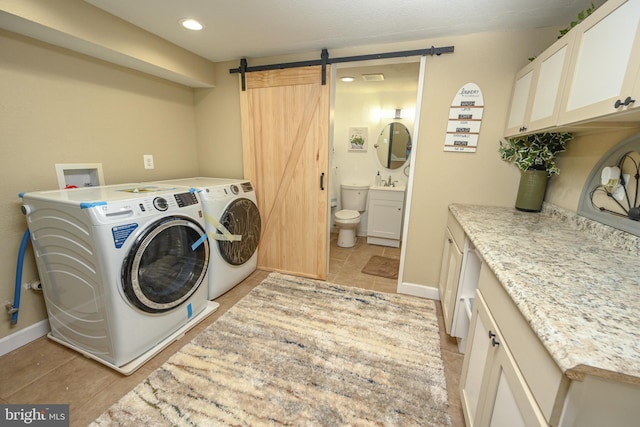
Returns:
(377, 94)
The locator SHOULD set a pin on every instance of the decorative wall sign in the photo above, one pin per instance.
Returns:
(465, 117)
(358, 138)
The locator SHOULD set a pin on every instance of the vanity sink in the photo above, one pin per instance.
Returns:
(388, 188)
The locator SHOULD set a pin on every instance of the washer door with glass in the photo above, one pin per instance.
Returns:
(166, 265)
(240, 218)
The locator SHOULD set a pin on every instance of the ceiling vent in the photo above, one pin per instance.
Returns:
(373, 77)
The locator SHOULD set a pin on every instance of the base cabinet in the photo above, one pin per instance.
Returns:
(449, 278)
(493, 391)
(509, 379)
(458, 281)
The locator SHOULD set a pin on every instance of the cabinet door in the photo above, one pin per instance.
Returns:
(520, 101)
(537, 92)
(508, 401)
(550, 75)
(493, 391)
(449, 277)
(385, 219)
(478, 358)
(604, 63)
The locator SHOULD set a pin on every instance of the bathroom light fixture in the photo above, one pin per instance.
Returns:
(191, 24)
(398, 114)
(347, 79)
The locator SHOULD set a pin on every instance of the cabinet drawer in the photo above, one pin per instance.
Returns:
(456, 231)
(543, 376)
(388, 195)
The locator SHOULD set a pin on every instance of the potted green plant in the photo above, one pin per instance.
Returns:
(535, 156)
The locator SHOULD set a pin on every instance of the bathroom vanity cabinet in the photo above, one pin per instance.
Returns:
(385, 211)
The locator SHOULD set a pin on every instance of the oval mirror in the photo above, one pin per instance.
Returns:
(394, 145)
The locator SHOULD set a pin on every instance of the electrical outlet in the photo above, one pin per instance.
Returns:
(148, 161)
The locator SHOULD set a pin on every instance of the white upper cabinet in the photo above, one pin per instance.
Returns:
(538, 88)
(520, 101)
(603, 74)
(592, 74)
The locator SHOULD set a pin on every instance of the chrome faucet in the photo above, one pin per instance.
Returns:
(389, 183)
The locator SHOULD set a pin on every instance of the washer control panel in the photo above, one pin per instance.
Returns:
(247, 187)
(186, 199)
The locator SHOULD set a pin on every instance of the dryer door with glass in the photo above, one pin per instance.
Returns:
(166, 265)
(240, 218)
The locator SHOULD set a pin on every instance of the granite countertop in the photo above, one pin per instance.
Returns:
(575, 281)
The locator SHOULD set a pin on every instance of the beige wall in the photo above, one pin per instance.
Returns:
(61, 107)
(489, 60)
(218, 125)
(82, 27)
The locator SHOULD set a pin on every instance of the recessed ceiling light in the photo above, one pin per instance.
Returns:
(191, 24)
(347, 79)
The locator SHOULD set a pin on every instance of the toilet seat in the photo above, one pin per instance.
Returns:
(347, 215)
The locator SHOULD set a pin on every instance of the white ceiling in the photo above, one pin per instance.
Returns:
(258, 28)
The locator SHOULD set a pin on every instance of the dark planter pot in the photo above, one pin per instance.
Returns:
(533, 185)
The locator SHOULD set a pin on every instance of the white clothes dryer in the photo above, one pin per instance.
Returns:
(122, 268)
(233, 225)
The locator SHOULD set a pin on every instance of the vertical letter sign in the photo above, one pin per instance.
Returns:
(465, 116)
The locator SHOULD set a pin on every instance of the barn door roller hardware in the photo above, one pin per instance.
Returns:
(325, 60)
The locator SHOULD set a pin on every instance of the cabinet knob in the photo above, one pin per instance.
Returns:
(628, 100)
(450, 241)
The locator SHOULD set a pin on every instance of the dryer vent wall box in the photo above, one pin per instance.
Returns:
(79, 175)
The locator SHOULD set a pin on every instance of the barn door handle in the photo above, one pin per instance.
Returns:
(322, 181)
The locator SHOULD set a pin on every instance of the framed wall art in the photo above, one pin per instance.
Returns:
(358, 138)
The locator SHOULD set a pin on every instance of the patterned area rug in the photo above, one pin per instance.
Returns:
(382, 266)
(301, 352)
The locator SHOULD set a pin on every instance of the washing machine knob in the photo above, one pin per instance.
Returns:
(235, 189)
(160, 203)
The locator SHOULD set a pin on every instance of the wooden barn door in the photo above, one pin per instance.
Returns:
(285, 133)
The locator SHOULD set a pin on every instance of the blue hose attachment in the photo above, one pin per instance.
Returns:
(16, 295)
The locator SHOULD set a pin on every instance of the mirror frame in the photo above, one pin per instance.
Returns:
(384, 146)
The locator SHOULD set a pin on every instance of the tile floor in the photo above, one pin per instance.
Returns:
(46, 372)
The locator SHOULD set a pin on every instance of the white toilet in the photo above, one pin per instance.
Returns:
(354, 201)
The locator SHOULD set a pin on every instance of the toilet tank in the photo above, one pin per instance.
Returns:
(354, 196)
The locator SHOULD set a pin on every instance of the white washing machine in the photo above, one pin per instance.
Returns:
(124, 268)
(233, 225)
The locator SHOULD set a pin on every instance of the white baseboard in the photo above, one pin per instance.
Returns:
(24, 336)
(419, 290)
